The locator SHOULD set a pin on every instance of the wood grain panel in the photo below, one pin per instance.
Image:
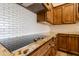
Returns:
(41, 16)
(68, 13)
(57, 15)
(73, 44)
(68, 43)
(49, 16)
(46, 50)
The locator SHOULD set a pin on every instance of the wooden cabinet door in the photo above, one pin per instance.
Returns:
(57, 16)
(68, 43)
(62, 42)
(51, 51)
(73, 44)
(41, 51)
(41, 16)
(69, 13)
(44, 50)
(50, 16)
(48, 53)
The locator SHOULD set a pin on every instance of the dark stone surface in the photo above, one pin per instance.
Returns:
(18, 42)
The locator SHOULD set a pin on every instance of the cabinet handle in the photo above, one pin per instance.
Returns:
(24, 51)
(49, 44)
(52, 45)
(17, 53)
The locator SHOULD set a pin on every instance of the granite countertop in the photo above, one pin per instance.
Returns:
(31, 47)
(54, 33)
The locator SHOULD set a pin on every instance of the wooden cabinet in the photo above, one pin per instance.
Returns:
(41, 16)
(73, 43)
(57, 15)
(46, 14)
(77, 7)
(49, 17)
(69, 13)
(68, 43)
(49, 14)
(48, 53)
(63, 14)
(45, 50)
(62, 42)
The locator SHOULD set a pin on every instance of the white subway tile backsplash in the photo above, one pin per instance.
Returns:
(16, 20)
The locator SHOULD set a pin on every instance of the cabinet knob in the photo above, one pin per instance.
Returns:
(49, 44)
(17, 53)
(24, 51)
(52, 45)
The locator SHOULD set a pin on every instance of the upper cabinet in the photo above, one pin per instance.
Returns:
(78, 12)
(41, 16)
(46, 15)
(49, 14)
(69, 13)
(57, 15)
(63, 14)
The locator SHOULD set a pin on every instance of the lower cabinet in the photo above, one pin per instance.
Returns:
(62, 42)
(68, 43)
(73, 44)
(48, 49)
(48, 53)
